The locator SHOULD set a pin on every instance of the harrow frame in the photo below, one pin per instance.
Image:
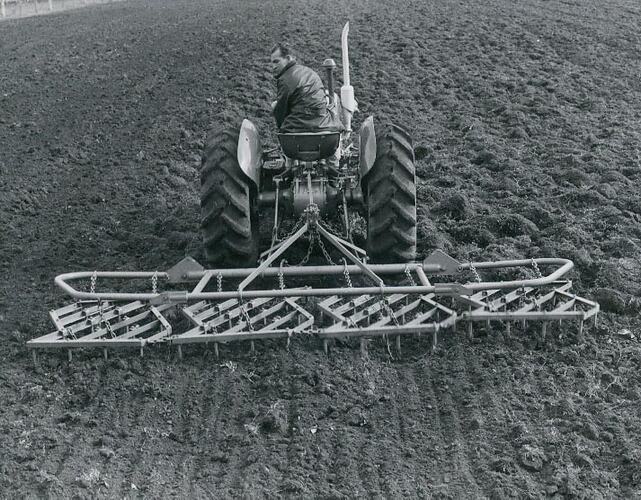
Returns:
(249, 311)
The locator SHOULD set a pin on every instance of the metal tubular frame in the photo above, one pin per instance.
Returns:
(365, 311)
(563, 266)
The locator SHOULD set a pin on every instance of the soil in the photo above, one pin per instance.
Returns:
(525, 122)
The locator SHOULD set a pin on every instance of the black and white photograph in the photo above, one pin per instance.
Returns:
(292, 249)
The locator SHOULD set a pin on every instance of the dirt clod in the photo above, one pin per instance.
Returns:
(532, 457)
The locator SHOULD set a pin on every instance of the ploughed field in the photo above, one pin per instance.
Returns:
(525, 120)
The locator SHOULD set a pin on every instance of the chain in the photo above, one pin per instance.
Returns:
(154, 283)
(246, 316)
(388, 309)
(312, 210)
(94, 277)
(219, 282)
(109, 329)
(408, 273)
(348, 279)
(477, 277)
(312, 237)
(281, 278)
(104, 321)
(324, 250)
(299, 223)
(535, 266)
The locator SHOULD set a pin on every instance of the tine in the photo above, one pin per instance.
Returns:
(363, 347)
(581, 322)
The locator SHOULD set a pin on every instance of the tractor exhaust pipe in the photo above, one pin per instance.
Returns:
(348, 103)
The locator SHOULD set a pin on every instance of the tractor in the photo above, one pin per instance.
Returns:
(306, 178)
(310, 174)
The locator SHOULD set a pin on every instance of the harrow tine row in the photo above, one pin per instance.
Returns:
(90, 324)
(530, 304)
(234, 320)
(398, 315)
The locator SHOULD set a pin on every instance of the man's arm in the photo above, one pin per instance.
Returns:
(280, 109)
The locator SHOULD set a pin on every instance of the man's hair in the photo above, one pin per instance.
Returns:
(284, 49)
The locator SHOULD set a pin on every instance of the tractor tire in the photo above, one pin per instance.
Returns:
(229, 223)
(390, 187)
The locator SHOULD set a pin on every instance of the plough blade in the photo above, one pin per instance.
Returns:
(229, 320)
(106, 324)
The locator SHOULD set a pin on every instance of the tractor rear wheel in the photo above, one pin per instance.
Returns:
(390, 187)
(228, 205)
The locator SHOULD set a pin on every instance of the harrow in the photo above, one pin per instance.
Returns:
(231, 305)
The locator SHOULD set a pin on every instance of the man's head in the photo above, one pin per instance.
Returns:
(281, 56)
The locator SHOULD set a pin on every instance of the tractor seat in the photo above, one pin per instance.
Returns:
(309, 146)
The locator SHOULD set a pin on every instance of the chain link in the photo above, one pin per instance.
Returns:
(348, 279)
(281, 278)
(246, 316)
(477, 277)
(408, 273)
(94, 277)
(299, 223)
(154, 283)
(312, 237)
(535, 266)
(109, 329)
(325, 252)
(219, 282)
(104, 321)
(388, 309)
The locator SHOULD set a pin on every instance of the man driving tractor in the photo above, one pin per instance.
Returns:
(301, 104)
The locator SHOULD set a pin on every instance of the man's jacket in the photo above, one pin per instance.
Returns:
(301, 104)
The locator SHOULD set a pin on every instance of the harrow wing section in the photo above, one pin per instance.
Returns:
(525, 304)
(106, 324)
(233, 319)
(398, 314)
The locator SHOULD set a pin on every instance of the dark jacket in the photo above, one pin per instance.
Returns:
(301, 104)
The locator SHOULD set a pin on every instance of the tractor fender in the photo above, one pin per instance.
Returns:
(367, 146)
(249, 151)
